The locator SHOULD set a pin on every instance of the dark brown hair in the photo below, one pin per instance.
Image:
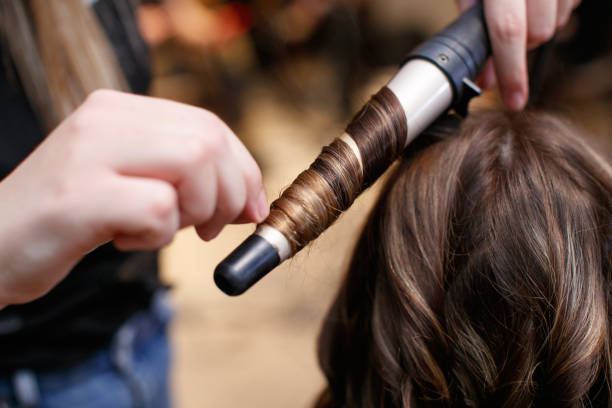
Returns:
(482, 277)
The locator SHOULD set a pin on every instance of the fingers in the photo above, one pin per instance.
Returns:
(231, 201)
(198, 194)
(263, 209)
(564, 10)
(541, 21)
(487, 76)
(257, 208)
(147, 217)
(216, 179)
(514, 26)
(241, 197)
(506, 22)
(223, 187)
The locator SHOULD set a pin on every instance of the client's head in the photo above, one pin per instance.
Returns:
(482, 277)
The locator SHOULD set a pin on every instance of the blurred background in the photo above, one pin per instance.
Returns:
(287, 75)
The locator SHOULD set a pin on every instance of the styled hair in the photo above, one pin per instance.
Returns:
(60, 52)
(482, 277)
(318, 196)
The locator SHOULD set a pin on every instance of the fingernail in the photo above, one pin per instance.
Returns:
(262, 206)
(516, 101)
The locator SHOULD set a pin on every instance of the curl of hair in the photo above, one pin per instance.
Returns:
(482, 277)
(336, 178)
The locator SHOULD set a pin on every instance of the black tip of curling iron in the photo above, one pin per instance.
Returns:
(247, 264)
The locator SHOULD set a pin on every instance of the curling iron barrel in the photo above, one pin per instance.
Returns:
(436, 76)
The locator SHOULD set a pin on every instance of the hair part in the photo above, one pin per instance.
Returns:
(482, 277)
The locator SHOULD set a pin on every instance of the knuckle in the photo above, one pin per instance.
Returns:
(216, 143)
(213, 145)
(91, 114)
(200, 149)
(162, 207)
(210, 118)
(82, 120)
(159, 218)
(214, 131)
(509, 27)
(207, 141)
(102, 97)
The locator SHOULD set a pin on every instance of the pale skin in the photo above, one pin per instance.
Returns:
(514, 27)
(122, 168)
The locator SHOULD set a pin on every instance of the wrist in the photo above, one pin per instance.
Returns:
(30, 259)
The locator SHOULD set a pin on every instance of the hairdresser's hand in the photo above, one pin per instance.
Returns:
(121, 168)
(514, 27)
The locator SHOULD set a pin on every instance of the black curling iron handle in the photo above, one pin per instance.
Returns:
(459, 51)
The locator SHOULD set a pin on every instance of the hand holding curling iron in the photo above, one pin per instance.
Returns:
(515, 26)
(122, 168)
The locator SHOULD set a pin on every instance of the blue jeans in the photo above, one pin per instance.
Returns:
(131, 373)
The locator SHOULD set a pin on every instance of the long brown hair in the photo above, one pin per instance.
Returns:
(60, 52)
(482, 277)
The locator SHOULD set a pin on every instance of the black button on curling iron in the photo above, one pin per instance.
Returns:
(434, 78)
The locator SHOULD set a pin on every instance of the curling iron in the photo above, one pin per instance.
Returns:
(436, 76)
